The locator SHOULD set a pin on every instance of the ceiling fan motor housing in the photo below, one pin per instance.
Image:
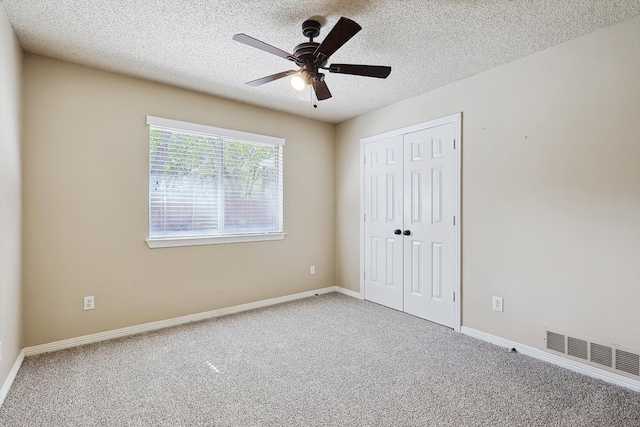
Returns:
(304, 52)
(304, 56)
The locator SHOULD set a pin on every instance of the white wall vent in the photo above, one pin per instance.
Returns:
(627, 362)
(555, 341)
(609, 357)
(578, 348)
(602, 355)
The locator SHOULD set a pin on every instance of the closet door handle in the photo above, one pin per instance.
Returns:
(407, 232)
(398, 231)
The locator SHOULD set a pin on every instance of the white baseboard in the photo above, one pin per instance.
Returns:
(581, 368)
(161, 324)
(12, 376)
(349, 292)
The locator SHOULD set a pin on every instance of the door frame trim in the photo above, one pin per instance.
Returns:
(456, 119)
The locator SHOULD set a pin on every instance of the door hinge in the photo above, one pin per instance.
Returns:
(365, 275)
(454, 144)
(454, 220)
(454, 297)
(365, 217)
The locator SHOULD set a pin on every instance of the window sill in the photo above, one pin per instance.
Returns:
(196, 241)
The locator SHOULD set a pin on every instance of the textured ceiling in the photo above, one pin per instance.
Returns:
(187, 43)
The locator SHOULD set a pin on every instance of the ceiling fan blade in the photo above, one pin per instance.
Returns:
(339, 35)
(321, 89)
(250, 41)
(378, 71)
(271, 78)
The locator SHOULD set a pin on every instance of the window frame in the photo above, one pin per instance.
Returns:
(177, 125)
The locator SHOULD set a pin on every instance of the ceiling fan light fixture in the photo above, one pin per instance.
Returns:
(298, 83)
(305, 95)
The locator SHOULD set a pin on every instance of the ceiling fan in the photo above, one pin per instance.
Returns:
(312, 57)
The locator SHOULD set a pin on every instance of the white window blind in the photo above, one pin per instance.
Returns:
(207, 182)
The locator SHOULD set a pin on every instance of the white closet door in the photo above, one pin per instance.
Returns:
(383, 182)
(410, 196)
(429, 207)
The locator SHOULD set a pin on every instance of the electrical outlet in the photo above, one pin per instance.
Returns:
(89, 303)
(497, 304)
(312, 269)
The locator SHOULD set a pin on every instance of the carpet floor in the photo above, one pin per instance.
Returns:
(328, 360)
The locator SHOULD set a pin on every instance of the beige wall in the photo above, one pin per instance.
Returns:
(10, 196)
(550, 189)
(85, 210)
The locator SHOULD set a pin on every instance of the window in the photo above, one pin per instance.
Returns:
(210, 185)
